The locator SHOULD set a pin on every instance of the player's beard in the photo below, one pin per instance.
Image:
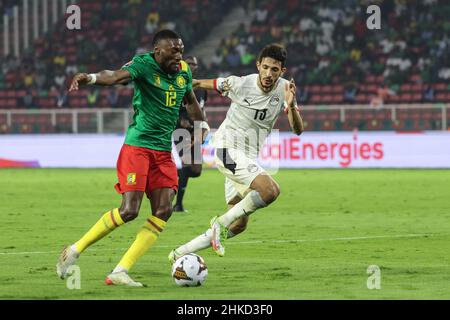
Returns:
(172, 68)
(166, 67)
(265, 88)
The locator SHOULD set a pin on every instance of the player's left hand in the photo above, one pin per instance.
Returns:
(290, 91)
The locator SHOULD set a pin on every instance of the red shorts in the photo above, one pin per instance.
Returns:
(143, 169)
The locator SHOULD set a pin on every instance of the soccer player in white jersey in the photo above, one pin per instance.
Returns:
(256, 102)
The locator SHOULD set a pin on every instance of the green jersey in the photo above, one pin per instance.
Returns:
(156, 102)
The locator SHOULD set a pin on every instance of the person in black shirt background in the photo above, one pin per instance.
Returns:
(190, 169)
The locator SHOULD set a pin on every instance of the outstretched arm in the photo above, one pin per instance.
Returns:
(295, 119)
(224, 86)
(103, 78)
(207, 84)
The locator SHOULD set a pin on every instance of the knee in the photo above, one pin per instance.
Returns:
(164, 212)
(128, 213)
(272, 193)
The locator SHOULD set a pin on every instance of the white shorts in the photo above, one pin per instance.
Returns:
(239, 171)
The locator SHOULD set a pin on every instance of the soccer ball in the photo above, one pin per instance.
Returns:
(189, 270)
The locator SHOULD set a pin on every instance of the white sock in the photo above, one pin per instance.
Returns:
(74, 249)
(120, 269)
(203, 241)
(251, 202)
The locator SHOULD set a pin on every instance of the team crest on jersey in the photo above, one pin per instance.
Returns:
(131, 179)
(224, 86)
(157, 79)
(274, 101)
(252, 168)
(181, 82)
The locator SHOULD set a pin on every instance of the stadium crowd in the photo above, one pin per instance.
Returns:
(330, 44)
(333, 57)
(112, 33)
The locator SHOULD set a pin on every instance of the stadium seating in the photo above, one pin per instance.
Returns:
(368, 55)
(113, 31)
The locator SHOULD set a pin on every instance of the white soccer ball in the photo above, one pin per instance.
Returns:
(189, 270)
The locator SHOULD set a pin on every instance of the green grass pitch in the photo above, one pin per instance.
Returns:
(315, 242)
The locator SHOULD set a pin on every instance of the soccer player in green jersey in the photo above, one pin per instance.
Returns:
(145, 164)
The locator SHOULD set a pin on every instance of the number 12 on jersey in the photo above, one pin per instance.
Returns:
(171, 98)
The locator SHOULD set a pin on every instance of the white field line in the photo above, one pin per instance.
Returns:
(412, 235)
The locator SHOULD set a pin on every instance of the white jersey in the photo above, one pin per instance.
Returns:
(252, 114)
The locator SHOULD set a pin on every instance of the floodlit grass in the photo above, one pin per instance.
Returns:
(315, 242)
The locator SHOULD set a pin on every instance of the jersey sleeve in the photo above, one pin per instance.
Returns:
(228, 87)
(136, 67)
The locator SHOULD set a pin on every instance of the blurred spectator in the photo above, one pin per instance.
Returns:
(428, 94)
(59, 80)
(383, 92)
(115, 31)
(302, 95)
(28, 100)
(233, 58)
(217, 58)
(92, 98)
(152, 22)
(327, 41)
(61, 100)
(350, 92)
(444, 74)
(329, 37)
(113, 98)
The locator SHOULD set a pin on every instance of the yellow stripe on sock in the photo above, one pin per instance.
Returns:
(117, 217)
(145, 238)
(107, 223)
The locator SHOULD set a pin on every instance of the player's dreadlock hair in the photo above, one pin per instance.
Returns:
(274, 51)
(164, 34)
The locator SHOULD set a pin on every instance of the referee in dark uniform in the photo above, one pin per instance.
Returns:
(190, 169)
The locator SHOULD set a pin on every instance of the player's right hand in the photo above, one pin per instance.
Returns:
(79, 79)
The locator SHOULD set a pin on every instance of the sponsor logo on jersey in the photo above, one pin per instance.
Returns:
(181, 82)
(224, 86)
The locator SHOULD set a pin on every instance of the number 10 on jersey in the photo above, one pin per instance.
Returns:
(171, 98)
